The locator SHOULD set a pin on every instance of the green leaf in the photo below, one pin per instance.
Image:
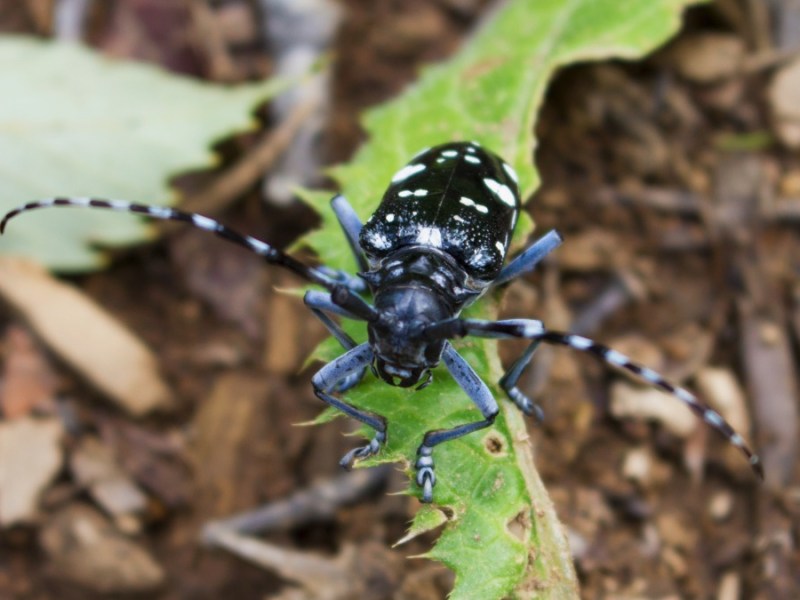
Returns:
(502, 538)
(73, 123)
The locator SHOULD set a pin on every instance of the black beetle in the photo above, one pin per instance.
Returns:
(436, 243)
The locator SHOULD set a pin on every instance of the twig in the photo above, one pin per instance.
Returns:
(69, 19)
(244, 174)
(320, 501)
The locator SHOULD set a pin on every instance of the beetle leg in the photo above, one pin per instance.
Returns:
(320, 304)
(509, 383)
(529, 258)
(479, 393)
(351, 225)
(329, 377)
(351, 282)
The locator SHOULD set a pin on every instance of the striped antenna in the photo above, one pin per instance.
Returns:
(271, 255)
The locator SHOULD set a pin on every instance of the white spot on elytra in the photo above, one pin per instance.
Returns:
(470, 202)
(479, 259)
(511, 172)
(405, 193)
(430, 236)
(458, 218)
(449, 153)
(440, 160)
(470, 149)
(500, 247)
(379, 241)
(407, 172)
(420, 193)
(472, 159)
(390, 218)
(502, 191)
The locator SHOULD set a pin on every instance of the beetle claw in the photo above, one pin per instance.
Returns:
(363, 451)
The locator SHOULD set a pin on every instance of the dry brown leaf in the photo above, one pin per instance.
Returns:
(95, 467)
(84, 548)
(29, 383)
(85, 336)
(707, 57)
(30, 456)
(783, 96)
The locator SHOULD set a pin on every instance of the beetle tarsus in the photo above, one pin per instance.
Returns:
(361, 452)
(426, 478)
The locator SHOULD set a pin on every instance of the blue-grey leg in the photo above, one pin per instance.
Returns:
(320, 303)
(479, 393)
(323, 301)
(329, 377)
(351, 225)
(509, 383)
(529, 258)
(351, 282)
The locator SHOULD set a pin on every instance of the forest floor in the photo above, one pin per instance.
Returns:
(676, 184)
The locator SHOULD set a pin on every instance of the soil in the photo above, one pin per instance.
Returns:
(650, 175)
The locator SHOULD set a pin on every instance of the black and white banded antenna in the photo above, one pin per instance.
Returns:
(536, 332)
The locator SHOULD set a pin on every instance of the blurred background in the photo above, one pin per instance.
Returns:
(676, 183)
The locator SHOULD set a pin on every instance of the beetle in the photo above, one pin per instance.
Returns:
(435, 244)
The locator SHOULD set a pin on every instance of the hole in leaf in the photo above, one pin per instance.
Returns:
(520, 525)
(494, 444)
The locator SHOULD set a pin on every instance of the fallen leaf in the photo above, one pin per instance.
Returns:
(28, 380)
(30, 456)
(783, 97)
(95, 467)
(707, 57)
(84, 548)
(85, 336)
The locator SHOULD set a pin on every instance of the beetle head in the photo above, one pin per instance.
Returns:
(403, 355)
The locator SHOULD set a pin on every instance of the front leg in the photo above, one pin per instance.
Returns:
(320, 304)
(332, 375)
(479, 393)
